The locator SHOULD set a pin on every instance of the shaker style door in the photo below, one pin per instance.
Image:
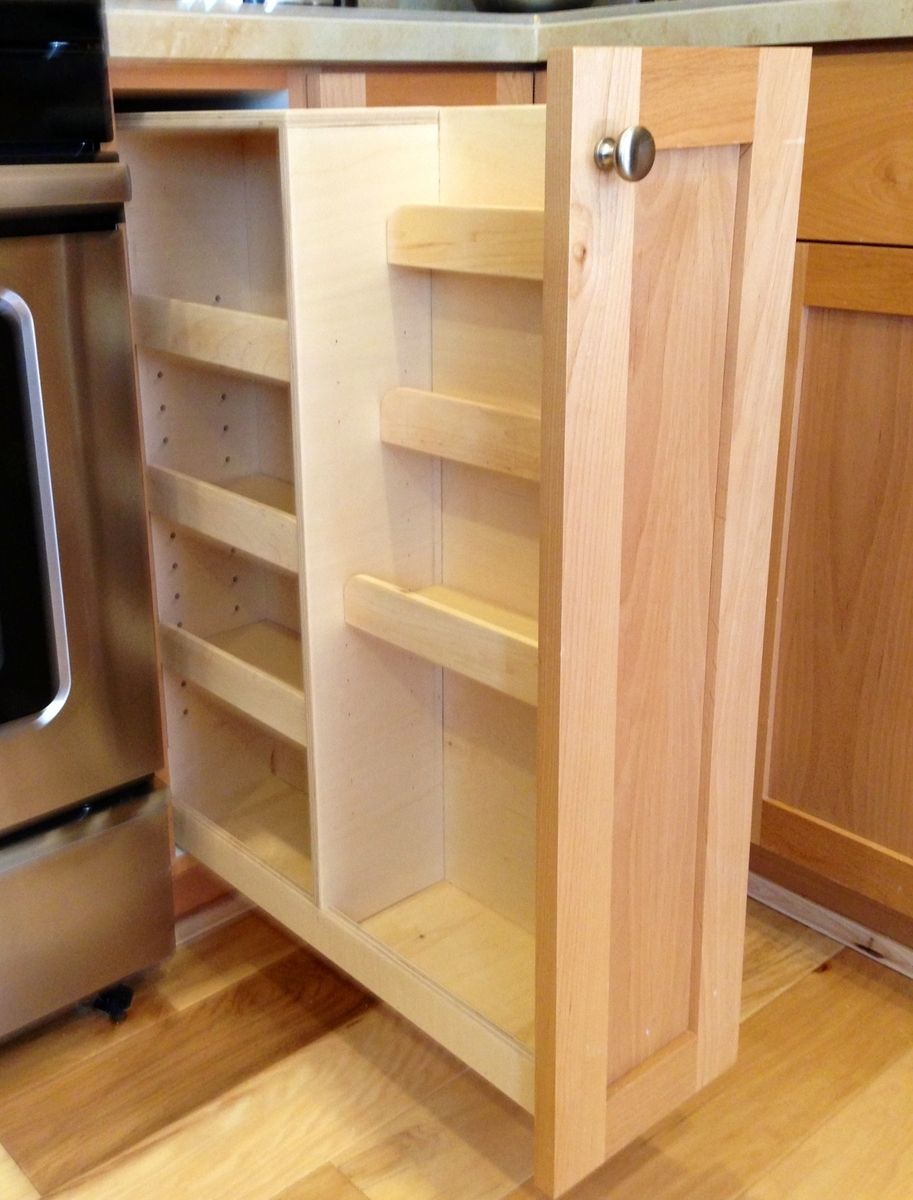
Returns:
(666, 305)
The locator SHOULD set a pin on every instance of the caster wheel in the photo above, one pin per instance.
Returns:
(114, 1002)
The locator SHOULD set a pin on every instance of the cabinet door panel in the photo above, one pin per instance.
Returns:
(665, 317)
(839, 768)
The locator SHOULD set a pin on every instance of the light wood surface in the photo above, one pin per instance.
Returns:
(482, 958)
(254, 513)
(250, 344)
(395, 1122)
(482, 641)
(474, 241)
(272, 822)
(490, 436)
(587, 328)
(358, 331)
(691, 96)
(858, 114)
(753, 388)
(255, 669)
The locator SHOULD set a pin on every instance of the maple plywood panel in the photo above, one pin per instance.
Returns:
(490, 788)
(843, 707)
(359, 329)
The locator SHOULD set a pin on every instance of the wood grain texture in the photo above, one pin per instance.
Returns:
(779, 952)
(464, 1140)
(14, 1184)
(336, 89)
(586, 327)
(859, 114)
(694, 96)
(478, 955)
(482, 641)
(683, 231)
(244, 672)
(326, 1184)
(247, 343)
(783, 496)
(802, 1057)
(753, 388)
(114, 1100)
(359, 331)
(842, 708)
(473, 241)
(221, 959)
(864, 1151)
(252, 515)
(307, 1110)
(489, 436)
(869, 868)
(860, 279)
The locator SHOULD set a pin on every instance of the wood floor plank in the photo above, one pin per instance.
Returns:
(465, 1142)
(326, 1184)
(107, 1104)
(14, 1184)
(864, 1151)
(268, 1133)
(814, 1048)
(778, 953)
(73, 1038)
(224, 957)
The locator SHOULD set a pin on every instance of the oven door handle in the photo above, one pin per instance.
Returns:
(46, 525)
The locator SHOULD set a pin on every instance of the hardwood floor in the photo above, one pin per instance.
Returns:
(249, 1070)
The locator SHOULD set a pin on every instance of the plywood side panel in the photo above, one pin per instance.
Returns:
(490, 785)
(493, 156)
(755, 356)
(683, 232)
(360, 329)
(587, 322)
(488, 340)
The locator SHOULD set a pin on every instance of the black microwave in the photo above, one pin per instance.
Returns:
(54, 97)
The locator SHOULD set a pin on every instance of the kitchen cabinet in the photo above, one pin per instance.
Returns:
(461, 460)
(834, 767)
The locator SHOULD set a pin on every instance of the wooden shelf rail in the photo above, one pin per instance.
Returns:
(240, 342)
(467, 431)
(254, 514)
(474, 241)
(255, 669)
(482, 641)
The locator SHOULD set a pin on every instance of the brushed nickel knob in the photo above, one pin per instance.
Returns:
(632, 155)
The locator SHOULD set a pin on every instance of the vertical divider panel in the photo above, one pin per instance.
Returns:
(586, 331)
(359, 328)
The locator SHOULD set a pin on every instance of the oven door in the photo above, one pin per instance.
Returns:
(78, 686)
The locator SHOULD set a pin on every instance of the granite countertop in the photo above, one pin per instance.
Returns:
(159, 29)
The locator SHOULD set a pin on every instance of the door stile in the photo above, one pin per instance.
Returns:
(586, 331)
(767, 212)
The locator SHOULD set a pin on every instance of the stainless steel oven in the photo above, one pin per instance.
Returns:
(84, 853)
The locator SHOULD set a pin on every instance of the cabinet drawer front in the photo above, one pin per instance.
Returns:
(857, 180)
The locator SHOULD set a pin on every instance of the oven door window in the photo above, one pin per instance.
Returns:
(34, 676)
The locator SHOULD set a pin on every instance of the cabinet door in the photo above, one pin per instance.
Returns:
(837, 768)
(665, 321)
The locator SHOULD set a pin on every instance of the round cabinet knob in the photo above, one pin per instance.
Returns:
(632, 155)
